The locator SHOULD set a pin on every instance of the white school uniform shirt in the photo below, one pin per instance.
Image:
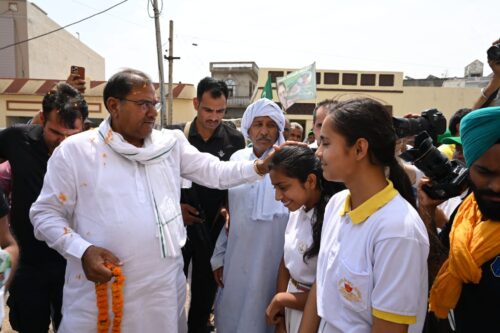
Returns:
(372, 262)
(298, 239)
(94, 196)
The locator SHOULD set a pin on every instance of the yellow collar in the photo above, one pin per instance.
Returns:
(370, 206)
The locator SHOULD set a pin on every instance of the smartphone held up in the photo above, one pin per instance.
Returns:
(78, 78)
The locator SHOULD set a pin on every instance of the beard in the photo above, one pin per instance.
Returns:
(489, 209)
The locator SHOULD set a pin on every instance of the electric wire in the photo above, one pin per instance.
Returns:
(61, 28)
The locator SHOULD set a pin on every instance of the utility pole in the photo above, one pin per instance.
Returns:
(163, 120)
(170, 59)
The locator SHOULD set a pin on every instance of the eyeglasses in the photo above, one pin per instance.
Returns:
(145, 104)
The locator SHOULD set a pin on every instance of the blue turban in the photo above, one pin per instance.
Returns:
(479, 130)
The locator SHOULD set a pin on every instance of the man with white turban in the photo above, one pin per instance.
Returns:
(246, 260)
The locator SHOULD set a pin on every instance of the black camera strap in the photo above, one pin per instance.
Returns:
(490, 99)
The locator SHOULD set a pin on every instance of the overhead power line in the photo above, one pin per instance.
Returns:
(61, 28)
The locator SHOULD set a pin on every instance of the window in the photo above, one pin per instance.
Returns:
(349, 79)
(331, 78)
(367, 79)
(231, 87)
(275, 74)
(386, 80)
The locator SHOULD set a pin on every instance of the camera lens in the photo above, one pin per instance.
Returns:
(432, 121)
(428, 158)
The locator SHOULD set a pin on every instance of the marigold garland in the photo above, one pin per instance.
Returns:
(116, 301)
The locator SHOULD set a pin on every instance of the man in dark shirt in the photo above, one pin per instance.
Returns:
(469, 280)
(36, 292)
(201, 206)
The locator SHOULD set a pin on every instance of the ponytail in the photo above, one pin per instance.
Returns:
(328, 189)
(317, 226)
(401, 182)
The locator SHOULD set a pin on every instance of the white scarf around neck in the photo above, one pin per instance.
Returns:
(153, 155)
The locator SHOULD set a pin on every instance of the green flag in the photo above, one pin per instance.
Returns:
(298, 85)
(268, 89)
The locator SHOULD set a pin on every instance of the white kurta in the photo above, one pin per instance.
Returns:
(298, 239)
(93, 196)
(251, 255)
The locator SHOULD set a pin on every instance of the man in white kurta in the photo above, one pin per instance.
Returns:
(250, 255)
(102, 192)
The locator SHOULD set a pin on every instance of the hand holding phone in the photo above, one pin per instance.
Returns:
(76, 78)
(79, 71)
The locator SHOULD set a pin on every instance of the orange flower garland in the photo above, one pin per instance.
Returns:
(116, 298)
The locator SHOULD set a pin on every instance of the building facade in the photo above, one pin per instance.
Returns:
(241, 78)
(21, 99)
(389, 88)
(48, 57)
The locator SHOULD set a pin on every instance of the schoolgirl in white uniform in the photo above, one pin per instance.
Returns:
(372, 265)
(297, 178)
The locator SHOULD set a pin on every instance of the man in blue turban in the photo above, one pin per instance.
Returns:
(480, 130)
(469, 280)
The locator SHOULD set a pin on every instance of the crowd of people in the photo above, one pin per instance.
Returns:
(275, 230)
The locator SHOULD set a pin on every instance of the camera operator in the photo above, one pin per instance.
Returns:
(490, 94)
(449, 178)
(452, 148)
(468, 281)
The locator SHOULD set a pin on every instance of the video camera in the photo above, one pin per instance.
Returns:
(432, 121)
(449, 178)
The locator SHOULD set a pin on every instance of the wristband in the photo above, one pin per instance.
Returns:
(256, 169)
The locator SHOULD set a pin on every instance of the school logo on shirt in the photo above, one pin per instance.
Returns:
(349, 291)
(302, 247)
(495, 267)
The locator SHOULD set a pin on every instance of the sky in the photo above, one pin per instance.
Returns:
(417, 37)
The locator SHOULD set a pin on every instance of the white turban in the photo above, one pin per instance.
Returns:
(263, 108)
(265, 207)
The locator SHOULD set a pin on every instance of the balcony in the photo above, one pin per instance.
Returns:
(234, 67)
(238, 101)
